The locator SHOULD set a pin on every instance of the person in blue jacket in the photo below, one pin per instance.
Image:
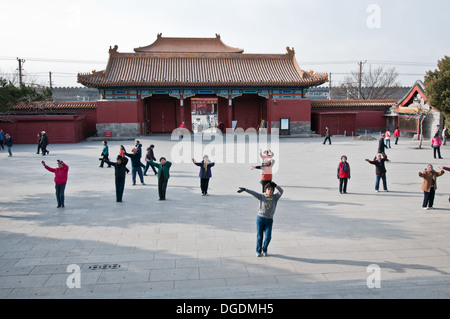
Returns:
(2, 139)
(205, 173)
(136, 165)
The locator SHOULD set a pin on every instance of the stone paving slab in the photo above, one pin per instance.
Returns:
(192, 246)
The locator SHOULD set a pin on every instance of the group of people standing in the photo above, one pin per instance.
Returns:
(343, 169)
(42, 143)
(386, 136)
(121, 170)
(429, 175)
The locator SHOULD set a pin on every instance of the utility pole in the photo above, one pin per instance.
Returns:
(50, 77)
(329, 89)
(21, 61)
(361, 63)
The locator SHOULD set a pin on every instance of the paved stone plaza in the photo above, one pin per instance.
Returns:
(193, 246)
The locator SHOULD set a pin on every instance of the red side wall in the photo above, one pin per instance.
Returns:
(371, 120)
(91, 123)
(296, 110)
(59, 128)
(350, 121)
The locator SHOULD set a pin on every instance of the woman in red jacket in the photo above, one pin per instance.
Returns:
(343, 174)
(61, 173)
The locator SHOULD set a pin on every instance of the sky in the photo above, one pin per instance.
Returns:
(67, 37)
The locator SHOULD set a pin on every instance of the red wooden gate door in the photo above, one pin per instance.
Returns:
(162, 116)
(247, 113)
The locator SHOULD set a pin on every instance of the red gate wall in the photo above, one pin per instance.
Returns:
(338, 123)
(59, 128)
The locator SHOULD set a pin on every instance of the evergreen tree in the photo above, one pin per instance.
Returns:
(10, 95)
(437, 87)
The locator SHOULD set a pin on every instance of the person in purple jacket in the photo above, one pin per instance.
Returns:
(205, 173)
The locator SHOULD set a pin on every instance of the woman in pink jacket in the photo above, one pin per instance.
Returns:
(436, 143)
(61, 173)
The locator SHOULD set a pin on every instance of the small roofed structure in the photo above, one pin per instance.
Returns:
(349, 117)
(65, 122)
(414, 107)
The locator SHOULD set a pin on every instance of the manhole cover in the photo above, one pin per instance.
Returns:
(104, 266)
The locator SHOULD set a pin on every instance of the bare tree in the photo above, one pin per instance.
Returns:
(373, 84)
(27, 79)
(419, 109)
(423, 114)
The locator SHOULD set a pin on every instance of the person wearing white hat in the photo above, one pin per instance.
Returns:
(44, 143)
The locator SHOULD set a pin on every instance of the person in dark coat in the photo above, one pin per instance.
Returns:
(150, 157)
(39, 136)
(205, 173)
(121, 170)
(380, 171)
(327, 135)
(138, 146)
(222, 127)
(381, 144)
(163, 175)
(9, 143)
(44, 143)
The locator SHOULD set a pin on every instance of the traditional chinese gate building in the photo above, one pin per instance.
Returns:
(159, 86)
(414, 107)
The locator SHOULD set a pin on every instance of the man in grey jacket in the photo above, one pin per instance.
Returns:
(264, 220)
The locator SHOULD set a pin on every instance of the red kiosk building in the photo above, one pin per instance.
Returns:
(159, 86)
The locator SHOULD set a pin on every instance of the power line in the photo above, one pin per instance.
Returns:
(402, 63)
(405, 63)
(5, 58)
(390, 62)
